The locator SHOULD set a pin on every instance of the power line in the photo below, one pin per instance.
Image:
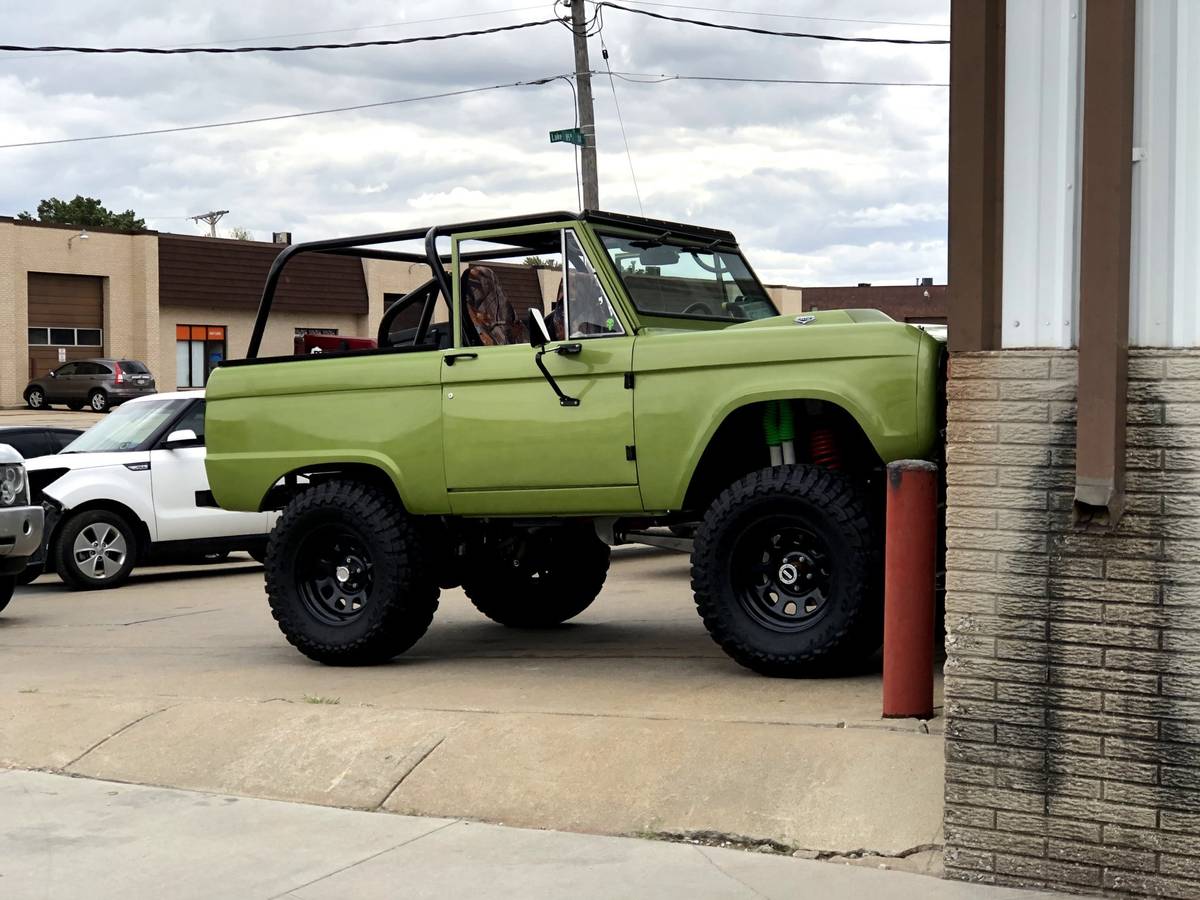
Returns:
(621, 121)
(295, 34)
(791, 34)
(277, 118)
(168, 51)
(651, 78)
(775, 15)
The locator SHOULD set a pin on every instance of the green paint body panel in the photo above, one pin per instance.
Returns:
(487, 437)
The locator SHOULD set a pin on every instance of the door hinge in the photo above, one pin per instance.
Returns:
(630, 452)
(629, 381)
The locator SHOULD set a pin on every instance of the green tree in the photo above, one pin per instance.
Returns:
(84, 212)
(238, 233)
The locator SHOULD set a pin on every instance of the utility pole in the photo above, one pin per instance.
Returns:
(212, 218)
(587, 115)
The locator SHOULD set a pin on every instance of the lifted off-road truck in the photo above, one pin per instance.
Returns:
(653, 384)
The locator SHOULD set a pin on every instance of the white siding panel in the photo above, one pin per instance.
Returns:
(1042, 90)
(1164, 262)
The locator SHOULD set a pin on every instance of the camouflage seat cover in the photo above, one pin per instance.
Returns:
(490, 312)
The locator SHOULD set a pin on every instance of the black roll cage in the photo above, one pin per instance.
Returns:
(361, 246)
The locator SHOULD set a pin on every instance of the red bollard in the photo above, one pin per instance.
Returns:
(908, 592)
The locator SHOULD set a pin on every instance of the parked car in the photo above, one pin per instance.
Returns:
(131, 489)
(21, 521)
(96, 383)
(32, 441)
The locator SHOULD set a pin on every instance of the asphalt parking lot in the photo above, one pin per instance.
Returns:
(627, 721)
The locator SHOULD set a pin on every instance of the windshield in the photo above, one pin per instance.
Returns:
(127, 427)
(671, 279)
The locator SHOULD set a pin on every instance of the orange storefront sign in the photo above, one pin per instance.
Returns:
(200, 332)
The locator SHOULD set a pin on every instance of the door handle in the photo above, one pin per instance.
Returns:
(451, 358)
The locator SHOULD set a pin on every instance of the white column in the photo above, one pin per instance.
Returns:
(1043, 84)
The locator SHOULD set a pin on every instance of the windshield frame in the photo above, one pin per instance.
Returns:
(182, 405)
(718, 246)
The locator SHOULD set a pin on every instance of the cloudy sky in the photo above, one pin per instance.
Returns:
(822, 184)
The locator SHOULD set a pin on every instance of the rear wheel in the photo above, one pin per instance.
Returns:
(75, 405)
(95, 550)
(346, 576)
(35, 398)
(539, 578)
(786, 571)
(98, 401)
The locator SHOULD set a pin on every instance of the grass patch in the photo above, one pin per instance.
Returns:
(317, 698)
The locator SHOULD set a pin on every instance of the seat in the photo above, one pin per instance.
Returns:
(490, 313)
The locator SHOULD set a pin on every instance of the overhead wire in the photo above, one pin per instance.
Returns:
(653, 78)
(777, 15)
(353, 45)
(725, 26)
(282, 116)
(617, 105)
(295, 34)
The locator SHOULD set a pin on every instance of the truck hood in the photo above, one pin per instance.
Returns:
(808, 319)
(75, 461)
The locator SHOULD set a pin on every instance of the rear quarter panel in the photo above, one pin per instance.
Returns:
(688, 383)
(266, 420)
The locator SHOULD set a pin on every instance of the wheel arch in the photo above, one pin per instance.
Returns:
(296, 480)
(140, 527)
(737, 445)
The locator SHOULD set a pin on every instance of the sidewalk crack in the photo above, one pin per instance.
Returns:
(420, 758)
(106, 739)
(365, 859)
(712, 862)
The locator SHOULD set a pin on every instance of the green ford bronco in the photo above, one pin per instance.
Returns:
(510, 422)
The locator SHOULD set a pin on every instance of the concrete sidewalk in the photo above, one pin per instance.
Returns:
(64, 837)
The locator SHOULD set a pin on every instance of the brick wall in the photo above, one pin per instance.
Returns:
(1073, 656)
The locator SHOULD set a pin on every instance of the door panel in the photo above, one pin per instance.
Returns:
(505, 429)
(177, 477)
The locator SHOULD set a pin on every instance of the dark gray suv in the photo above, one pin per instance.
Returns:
(95, 383)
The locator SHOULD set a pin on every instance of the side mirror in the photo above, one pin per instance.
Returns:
(539, 333)
(53, 374)
(184, 437)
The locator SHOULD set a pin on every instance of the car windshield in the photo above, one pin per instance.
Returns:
(672, 279)
(127, 427)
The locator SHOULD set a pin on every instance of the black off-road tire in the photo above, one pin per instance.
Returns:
(98, 401)
(35, 398)
(553, 577)
(814, 521)
(8, 584)
(79, 576)
(356, 526)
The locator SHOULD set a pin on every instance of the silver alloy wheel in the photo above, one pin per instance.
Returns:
(35, 399)
(100, 550)
(99, 402)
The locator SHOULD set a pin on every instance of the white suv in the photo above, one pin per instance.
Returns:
(131, 488)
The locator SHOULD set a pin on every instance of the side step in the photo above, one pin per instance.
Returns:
(666, 540)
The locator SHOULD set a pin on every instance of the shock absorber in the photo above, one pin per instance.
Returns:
(823, 448)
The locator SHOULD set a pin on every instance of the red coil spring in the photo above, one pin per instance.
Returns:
(823, 448)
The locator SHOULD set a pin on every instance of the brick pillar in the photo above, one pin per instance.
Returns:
(1072, 689)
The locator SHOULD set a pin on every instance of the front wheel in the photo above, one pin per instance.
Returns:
(346, 576)
(98, 401)
(537, 579)
(30, 575)
(95, 550)
(8, 584)
(786, 569)
(35, 398)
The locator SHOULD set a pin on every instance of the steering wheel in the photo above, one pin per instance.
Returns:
(698, 308)
(736, 307)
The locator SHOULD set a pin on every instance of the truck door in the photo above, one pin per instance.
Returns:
(510, 445)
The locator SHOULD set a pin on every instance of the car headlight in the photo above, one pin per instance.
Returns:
(12, 484)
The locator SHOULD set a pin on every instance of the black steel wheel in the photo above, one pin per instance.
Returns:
(346, 575)
(786, 571)
(537, 578)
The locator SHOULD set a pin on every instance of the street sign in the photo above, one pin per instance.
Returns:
(62, 354)
(567, 136)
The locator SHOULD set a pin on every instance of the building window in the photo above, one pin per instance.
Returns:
(65, 337)
(198, 350)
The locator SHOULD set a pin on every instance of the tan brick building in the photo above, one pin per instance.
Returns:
(1072, 691)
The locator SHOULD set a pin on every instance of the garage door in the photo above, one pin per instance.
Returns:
(66, 319)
